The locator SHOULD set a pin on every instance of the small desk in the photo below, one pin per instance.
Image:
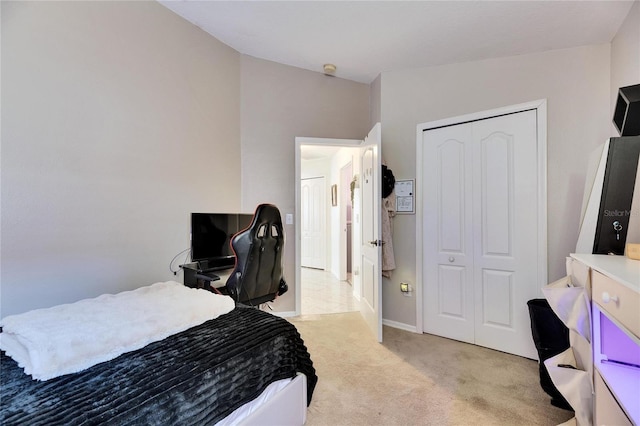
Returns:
(195, 277)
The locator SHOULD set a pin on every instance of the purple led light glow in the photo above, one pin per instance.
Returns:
(616, 345)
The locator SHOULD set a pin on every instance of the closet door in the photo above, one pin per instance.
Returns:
(448, 232)
(480, 231)
(505, 224)
(312, 207)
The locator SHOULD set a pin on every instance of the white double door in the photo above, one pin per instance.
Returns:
(480, 231)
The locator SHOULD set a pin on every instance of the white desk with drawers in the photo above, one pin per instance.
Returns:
(615, 296)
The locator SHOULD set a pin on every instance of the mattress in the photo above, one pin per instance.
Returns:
(198, 376)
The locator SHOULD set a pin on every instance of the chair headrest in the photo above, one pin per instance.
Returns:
(266, 213)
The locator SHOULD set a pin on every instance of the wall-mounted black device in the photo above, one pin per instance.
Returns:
(626, 116)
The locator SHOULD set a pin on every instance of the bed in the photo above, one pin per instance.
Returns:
(203, 375)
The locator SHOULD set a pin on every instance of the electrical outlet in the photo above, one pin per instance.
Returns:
(406, 289)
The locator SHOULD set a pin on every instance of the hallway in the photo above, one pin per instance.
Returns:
(322, 293)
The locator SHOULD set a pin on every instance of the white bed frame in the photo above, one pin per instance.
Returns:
(284, 407)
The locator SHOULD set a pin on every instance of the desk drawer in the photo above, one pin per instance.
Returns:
(607, 410)
(623, 304)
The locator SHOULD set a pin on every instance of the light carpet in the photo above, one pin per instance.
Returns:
(414, 379)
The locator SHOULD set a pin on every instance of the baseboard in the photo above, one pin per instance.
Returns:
(400, 325)
(394, 324)
(284, 314)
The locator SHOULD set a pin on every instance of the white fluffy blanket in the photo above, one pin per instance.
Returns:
(69, 338)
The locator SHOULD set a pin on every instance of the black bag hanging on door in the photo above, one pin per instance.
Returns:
(388, 181)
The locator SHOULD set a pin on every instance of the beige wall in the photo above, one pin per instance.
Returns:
(115, 135)
(118, 120)
(575, 83)
(280, 103)
(625, 56)
(375, 103)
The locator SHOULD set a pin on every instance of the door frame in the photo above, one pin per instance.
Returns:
(299, 141)
(540, 106)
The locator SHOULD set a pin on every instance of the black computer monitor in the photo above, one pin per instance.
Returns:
(210, 237)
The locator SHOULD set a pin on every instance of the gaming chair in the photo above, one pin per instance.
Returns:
(258, 273)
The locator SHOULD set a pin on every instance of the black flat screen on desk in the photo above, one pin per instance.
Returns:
(210, 236)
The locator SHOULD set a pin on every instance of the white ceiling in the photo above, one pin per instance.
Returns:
(365, 38)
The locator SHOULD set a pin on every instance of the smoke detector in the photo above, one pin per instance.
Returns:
(329, 69)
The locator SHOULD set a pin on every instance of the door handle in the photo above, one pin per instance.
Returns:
(376, 243)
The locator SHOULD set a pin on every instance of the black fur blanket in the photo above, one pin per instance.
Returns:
(195, 377)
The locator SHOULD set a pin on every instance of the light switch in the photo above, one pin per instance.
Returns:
(288, 219)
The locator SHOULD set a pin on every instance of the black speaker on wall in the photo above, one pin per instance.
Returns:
(626, 116)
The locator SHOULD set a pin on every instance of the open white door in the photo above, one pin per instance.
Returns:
(371, 234)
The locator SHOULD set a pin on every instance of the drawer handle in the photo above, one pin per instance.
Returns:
(606, 297)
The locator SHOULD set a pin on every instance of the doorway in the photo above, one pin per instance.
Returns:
(367, 230)
(326, 172)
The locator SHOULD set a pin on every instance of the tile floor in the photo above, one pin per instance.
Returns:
(322, 293)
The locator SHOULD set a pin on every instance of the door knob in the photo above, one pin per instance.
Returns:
(452, 259)
(376, 243)
(606, 298)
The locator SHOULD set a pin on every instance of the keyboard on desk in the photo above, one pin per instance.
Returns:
(207, 276)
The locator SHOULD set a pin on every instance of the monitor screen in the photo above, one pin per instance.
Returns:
(211, 234)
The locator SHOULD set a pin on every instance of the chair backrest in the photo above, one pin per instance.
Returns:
(258, 273)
